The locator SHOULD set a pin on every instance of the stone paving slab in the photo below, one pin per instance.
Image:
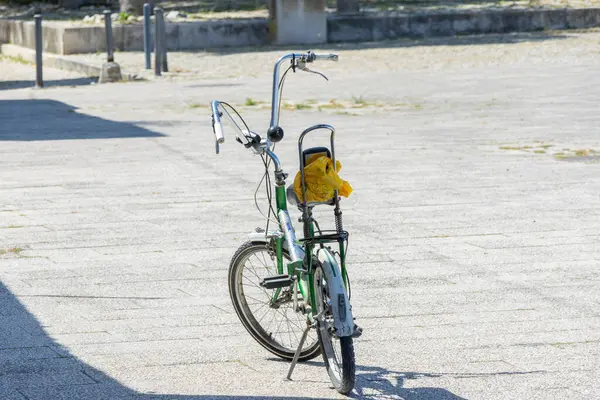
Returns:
(473, 257)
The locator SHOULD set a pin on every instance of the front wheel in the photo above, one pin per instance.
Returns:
(338, 352)
(267, 314)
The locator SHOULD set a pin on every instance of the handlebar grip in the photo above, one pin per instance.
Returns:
(330, 57)
(218, 129)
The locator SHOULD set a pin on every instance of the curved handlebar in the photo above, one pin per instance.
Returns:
(306, 57)
(296, 58)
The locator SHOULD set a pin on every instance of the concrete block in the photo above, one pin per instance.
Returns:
(535, 19)
(349, 29)
(172, 33)
(379, 30)
(593, 17)
(464, 23)
(188, 34)
(514, 21)
(229, 34)
(582, 18)
(89, 39)
(397, 26)
(53, 39)
(523, 21)
(16, 32)
(576, 19)
(489, 23)
(4, 30)
(300, 22)
(441, 25)
(555, 19)
(111, 72)
(132, 38)
(419, 25)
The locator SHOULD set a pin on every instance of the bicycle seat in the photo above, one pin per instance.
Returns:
(293, 199)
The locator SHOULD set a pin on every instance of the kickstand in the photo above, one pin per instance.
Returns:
(297, 355)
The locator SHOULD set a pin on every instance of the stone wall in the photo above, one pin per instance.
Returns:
(62, 38)
(360, 28)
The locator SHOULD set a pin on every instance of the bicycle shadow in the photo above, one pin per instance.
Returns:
(374, 382)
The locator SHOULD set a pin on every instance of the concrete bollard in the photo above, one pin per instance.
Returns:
(39, 80)
(298, 22)
(147, 35)
(111, 71)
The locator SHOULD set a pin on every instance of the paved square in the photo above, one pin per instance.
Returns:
(474, 222)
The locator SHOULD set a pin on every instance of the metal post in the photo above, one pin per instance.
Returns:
(163, 31)
(109, 36)
(39, 80)
(160, 21)
(147, 34)
(157, 41)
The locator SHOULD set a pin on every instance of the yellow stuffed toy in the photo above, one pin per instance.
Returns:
(321, 180)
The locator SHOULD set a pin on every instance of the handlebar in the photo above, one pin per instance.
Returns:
(296, 58)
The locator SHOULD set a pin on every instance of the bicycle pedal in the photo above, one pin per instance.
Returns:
(277, 281)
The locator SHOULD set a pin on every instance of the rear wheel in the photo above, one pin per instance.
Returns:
(267, 315)
(338, 353)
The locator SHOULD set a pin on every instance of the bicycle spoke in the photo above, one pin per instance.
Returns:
(279, 326)
(260, 308)
(263, 290)
(265, 264)
(274, 316)
(253, 298)
(253, 269)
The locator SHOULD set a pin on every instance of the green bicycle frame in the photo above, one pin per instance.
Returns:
(304, 274)
(304, 288)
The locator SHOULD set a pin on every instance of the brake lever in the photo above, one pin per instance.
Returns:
(306, 69)
(250, 140)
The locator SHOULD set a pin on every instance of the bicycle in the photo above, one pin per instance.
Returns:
(304, 278)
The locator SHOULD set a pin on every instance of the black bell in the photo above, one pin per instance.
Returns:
(275, 134)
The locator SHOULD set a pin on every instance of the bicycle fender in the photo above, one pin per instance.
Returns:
(263, 237)
(342, 312)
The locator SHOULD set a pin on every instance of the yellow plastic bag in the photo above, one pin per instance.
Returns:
(321, 180)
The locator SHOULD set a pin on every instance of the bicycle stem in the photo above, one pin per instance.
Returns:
(275, 98)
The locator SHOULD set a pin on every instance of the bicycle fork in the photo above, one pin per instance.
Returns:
(340, 306)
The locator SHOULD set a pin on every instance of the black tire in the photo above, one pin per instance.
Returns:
(252, 322)
(341, 366)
